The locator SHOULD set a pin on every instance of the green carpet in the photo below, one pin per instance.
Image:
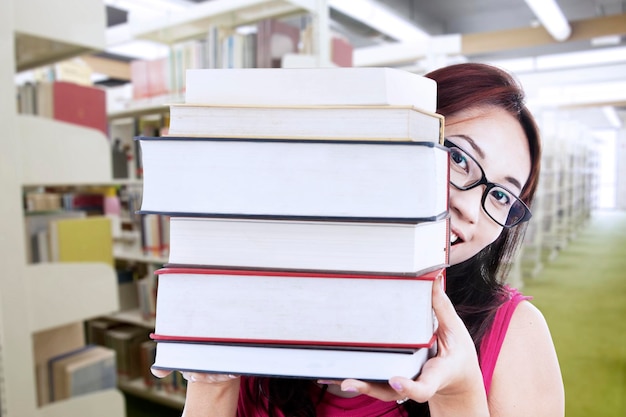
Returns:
(582, 294)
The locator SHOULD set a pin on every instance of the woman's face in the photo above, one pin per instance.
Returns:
(497, 141)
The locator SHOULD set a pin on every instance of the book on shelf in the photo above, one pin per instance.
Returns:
(51, 343)
(126, 340)
(37, 232)
(402, 248)
(296, 361)
(331, 180)
(87, 369)
(78, 104)
(274, 38)
(154, 233)
(310, 86)
(295, 308)
(96, 329)
(341, 51)
(384, 123)
(65, 101)
(88, 239)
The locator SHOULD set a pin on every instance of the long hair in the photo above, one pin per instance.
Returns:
(474, 286)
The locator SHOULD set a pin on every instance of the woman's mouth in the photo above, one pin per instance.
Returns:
(454, 238)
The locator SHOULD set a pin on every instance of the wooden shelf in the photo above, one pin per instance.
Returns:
(59, 153)
(63, 293)
(193, 22)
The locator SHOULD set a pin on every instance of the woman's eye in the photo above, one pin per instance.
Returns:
(458, 159)
(502, 197)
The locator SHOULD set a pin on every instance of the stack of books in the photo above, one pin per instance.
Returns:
(308, 220)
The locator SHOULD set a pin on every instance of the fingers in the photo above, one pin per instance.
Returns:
(195, 376)
(160, 373)
(420, 390)
(207, 378)
(382, 391)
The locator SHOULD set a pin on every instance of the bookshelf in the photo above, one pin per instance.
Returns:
(193, 23)
(567, 189)
(176, 29)
(35, 297)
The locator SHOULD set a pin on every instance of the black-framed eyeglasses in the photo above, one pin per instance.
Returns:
(501, 204)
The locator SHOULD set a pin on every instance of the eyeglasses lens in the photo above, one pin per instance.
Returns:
(502, 206)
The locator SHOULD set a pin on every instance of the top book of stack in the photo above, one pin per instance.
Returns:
(310, 87)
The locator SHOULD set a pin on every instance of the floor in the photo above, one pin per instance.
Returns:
(582, 294)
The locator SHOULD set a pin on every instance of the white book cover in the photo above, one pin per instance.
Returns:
(402, 248)
(310, 86)
(288, 307)
(386, 181)
(291, 362)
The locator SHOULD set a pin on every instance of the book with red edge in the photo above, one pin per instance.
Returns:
(271, 307)
(291, 361)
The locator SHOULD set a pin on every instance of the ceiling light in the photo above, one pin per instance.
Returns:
(380, 18)
(611, 116)
(551, 17)
(610, 40)
(140, 49)
(582, 58)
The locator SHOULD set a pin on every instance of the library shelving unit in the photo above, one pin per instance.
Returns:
(194, 22)
(567, 189)
(181, 27)
(44, 296)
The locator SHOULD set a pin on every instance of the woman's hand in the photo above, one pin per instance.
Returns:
(451, 381)
(208, 394)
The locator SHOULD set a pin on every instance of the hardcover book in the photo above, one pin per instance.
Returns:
(287, 179)
(291, 361)
(295, 308)
(311, 86)
(400, 248)
(384, 123)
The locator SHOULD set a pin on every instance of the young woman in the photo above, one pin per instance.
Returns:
(495, 353)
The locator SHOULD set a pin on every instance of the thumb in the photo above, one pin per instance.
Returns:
(443, 307)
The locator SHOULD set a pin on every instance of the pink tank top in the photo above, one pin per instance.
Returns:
(492, 342)
(332, 405)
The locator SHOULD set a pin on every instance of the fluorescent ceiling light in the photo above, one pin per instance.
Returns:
(582, 58)
(140, 49)
(162, 6)
(380, 18)
(551, 17)
(610, 40)
(590, 58)
(611, 116)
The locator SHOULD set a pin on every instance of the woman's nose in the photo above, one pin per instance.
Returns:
(467, 204)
